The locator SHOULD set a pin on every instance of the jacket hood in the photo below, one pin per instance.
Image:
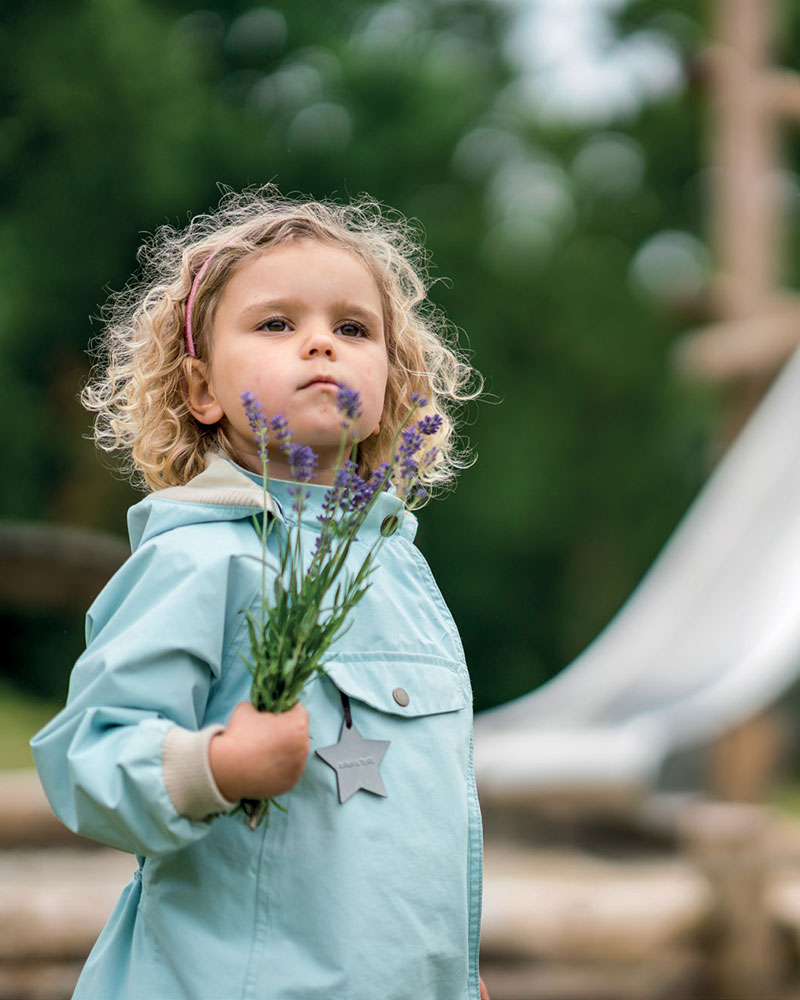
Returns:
(221, 492)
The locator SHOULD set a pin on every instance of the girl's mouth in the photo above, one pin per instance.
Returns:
(322, 382)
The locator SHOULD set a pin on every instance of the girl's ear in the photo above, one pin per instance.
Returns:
(198, 392)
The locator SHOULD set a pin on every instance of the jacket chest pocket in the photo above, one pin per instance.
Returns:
(398, 686)
(419, 705)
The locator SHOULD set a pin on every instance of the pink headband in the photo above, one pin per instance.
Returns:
(190, 303)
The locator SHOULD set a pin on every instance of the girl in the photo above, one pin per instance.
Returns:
(375, 896)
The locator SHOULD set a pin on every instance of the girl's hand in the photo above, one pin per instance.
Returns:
(484, 994)
(260, 755)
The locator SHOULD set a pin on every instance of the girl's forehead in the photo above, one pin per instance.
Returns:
(306, 265)
(301, 274)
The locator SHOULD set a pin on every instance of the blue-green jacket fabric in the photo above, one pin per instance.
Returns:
(373, 899)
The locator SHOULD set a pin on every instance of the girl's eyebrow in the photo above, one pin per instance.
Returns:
(369, 316)
(260, 306)
(344, 308)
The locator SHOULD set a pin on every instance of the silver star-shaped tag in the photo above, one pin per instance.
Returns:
(355, 761)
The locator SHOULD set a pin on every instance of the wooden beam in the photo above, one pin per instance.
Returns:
(48, 566)
(752, 347)
(782, 88)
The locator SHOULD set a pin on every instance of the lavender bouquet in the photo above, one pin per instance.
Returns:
(307, 606)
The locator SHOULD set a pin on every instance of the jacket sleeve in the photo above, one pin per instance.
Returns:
(126, 761)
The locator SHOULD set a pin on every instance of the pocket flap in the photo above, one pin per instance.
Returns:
(400, 685)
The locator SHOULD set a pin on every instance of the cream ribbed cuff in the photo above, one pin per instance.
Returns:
(187, 773)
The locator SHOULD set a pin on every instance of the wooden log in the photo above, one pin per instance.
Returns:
(42, 981)
(54, 903)
(671, 976)
(566, 906)
(46, 566)
(26, 819)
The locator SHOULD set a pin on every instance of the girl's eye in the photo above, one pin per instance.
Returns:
(275, 325)
(352, 329)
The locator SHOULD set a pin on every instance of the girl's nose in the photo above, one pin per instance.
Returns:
(319, 342)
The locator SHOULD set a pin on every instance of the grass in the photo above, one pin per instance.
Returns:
(785, 796)
(21, 715)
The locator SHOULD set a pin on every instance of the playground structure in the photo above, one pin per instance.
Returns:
(712, 634)
(709, 639)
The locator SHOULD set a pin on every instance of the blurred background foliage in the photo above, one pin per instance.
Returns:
(573, 253)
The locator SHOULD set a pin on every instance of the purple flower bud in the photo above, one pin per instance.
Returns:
(430, 424)
(299, 496)
(302, 462)
(362, 492)
(382, 474)
(410, 441)
(253, 411)
(344, 475)
(417, 400)
(349, 402)
(257, 421)
(280, 428)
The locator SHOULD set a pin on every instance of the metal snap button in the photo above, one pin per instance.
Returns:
(389, 525)
(400, 695)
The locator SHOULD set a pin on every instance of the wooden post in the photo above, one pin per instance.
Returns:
(747, 97)
(729, 844)
(744, 760)
(743, 152)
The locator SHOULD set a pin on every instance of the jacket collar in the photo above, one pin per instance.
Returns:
(219, 484)
(223, 492)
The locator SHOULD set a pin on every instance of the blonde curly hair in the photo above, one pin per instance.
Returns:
(137, 388)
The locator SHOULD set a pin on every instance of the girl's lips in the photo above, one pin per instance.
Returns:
(321, 383)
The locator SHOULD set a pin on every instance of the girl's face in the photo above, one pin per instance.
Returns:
(292, 322)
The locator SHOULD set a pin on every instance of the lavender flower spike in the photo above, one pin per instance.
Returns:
(302, 462)
(349, 402)
(257, 421)
(253, 410)
(430, 424)
(410, 442)
(280, 428)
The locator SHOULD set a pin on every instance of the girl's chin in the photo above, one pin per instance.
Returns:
(322, 436)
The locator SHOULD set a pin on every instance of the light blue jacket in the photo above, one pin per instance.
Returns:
(373, 899)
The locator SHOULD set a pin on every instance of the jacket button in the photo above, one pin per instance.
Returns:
(400, 695)
(389, 525)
